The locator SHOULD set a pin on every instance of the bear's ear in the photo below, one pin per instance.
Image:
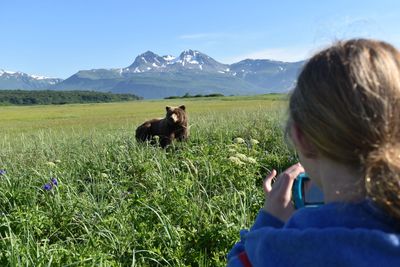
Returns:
(182, 107)
(167, 108)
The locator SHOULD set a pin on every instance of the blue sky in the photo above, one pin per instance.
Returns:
(56, 38)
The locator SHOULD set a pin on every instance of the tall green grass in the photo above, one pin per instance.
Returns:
(123, 203)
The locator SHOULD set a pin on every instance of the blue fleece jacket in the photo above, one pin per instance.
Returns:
(334, 234)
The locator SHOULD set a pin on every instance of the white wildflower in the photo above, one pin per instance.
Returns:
(241, 156)
(238, 140)
(254, 142)
(236, 160)
(231, 150)
(251, 160)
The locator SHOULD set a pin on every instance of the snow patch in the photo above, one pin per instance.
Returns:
(168, 58)
(124, 70)
(174, 61)
(36, 77)
(18, 73)
(7, 72)
(190, 59)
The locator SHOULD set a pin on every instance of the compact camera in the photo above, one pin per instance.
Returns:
(304, 196)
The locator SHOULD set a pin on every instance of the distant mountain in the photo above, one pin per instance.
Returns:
(154, 76)
(187, 60)
(277, 76)
(20, 80)
(196, 61)
(163, 84)
(148, 61)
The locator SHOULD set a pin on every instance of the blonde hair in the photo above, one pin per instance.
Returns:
(347, 103)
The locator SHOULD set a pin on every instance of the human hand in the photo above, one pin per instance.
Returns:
(278, 197)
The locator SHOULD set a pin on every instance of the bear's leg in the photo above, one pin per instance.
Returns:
(181, 135)
(143, 132)
(164, 141)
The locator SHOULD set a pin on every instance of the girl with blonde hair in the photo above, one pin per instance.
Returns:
(344, 122)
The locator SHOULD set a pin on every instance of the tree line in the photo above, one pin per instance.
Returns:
(187, 95)
(48, 97)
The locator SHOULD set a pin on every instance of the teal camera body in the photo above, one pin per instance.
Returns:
(302, 198)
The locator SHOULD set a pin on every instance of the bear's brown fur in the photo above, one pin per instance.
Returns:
(173, 126)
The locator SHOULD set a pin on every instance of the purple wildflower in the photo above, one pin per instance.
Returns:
(47, 187)
(2, 171)
(54, 181)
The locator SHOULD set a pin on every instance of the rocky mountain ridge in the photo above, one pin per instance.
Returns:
(154, 76)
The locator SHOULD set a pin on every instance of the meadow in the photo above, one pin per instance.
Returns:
(116, 202)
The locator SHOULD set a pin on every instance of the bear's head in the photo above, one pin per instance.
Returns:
(176, 115)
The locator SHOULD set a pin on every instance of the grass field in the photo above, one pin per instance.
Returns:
(120, 203)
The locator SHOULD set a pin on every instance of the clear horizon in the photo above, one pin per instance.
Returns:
(59, 39)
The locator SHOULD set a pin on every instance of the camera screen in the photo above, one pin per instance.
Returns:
(313, 195)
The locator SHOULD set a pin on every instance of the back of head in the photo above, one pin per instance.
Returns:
(347, 103)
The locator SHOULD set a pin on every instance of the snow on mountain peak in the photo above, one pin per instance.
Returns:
(168, 58)
(37, 77)
(190, 52)
(24, 81)
(7, 72)
(146, 62)
(18, 74)
(188, 59)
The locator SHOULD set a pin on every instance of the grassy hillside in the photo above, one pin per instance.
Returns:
(160, 85)
(120, 203)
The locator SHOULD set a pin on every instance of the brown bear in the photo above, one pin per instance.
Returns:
(173, 126)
